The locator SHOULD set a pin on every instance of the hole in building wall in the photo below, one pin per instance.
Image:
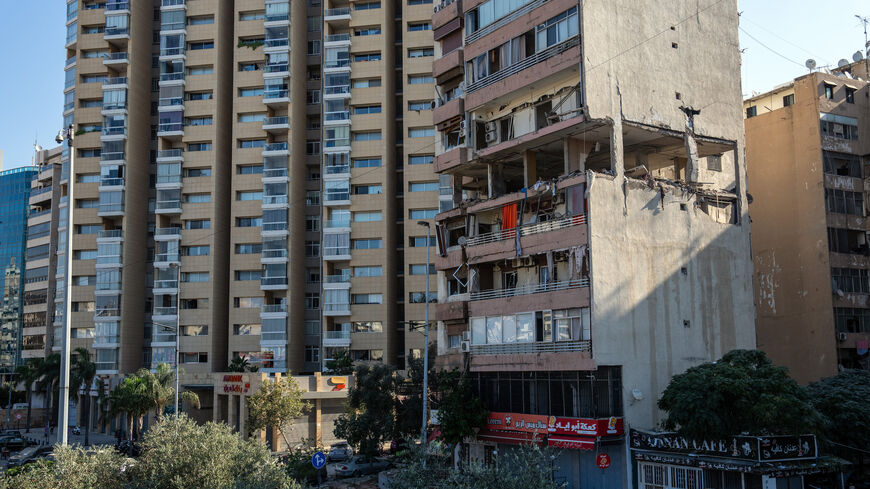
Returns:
(684, 270)
(674, 45)
(679, 95)
(683, 207)
(686, 323)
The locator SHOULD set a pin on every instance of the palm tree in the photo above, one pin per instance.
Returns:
(28, 374)
(49, 375)
(128, 398)
(83, 373)
(161, 390)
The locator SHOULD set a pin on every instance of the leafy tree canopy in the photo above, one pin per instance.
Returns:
(459, 410)
(341, 363)
(369, 418)
(743, 392)
(843, 401)
(277, 404)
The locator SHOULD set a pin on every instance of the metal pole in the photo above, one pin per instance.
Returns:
(63, 415)
(426, 341)
(177, 333)
(9, 404)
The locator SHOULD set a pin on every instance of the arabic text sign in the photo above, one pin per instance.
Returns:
(585, 427)
(529, 423)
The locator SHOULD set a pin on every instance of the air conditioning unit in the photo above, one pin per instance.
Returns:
(490, 127)
(437, 8)
(491, 137)
(842, 336)
(466, 335)
(462, 126)
(466, 346)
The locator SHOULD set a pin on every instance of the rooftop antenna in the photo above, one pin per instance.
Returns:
(865, 21)
(810, 64)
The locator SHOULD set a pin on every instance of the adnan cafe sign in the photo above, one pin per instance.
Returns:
(754, 448)
(235, 384)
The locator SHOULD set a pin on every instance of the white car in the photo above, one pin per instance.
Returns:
(339, 451)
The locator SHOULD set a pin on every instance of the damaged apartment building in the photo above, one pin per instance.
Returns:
(593, 239)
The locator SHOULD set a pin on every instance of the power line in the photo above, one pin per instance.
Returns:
(779, 37)
(771, 49)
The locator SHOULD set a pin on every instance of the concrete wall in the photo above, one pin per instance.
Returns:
(655, 265)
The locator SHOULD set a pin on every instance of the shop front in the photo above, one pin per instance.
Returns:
(668, 461)
(590, 452)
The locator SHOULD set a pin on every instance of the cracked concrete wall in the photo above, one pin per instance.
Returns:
(657, 263)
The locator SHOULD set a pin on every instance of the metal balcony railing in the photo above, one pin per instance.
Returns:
(337, 335)
(111, 182)
(274, 43)
(172, 3)
(169, 153)
(273, 308)
(119, 80)
(336, 37)
(510, 17)
(115, 131)
(540, 347)
(110, 233)
(337, 63)
(273, 94)
(40, 191)
(276, 121)
(529, 289)
(170, 127)
(337, 90)
(168, 204)
(526, 230)
(171, 51)
(532, 60)
(275, 146)
(116, 31)
(339, 115)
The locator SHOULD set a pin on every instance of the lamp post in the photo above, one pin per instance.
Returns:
(425, 339)
(67, 135)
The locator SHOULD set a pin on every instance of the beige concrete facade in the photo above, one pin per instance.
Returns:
(805, 145)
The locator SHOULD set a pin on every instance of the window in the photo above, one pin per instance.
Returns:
(367, 136)
(420, 79)
(421, 52)
(252, 16)
(200, 70)
(420, 241)
(367, 31)
(366, 83)
(198, 146)
(422, 213)
(843, 164)
(199, 250)
(249, 195)
(249, 248)
(714, 162)
(312, 248)
(312, 147)
(488, 12)
(312, 197)
(248, 222)
(421, 269)
(312, 354)
(251, 92)
(85, 254)
(370, 216)
(420, 106)
(844, 202)
(196, 46)
(419, 26)
(194, 331)
(421, 132)
(312, 300)
(249, 169)
(357, 58)
(370, 271)
(197, 198)
(197, 224)
(194, 303)
(89, 228)
(751, 111)
(838, 126)
(829, 91)
(420, 159)
(85, 280)
(201, 20)
(187, 357)
(251, 143)
(367, 244)
(422, 186)
(313, 48)
(194, 276)
(199, 96)
(366, 299)
(366, 162)
(255, 66)
(248, 302)
(420, 297)
(367, 189)
(88, 178)
(242, 275)
(788, 100)
(850, 280)
(367, 6)
(367, 109)
(312, 97)
(419, 2)
(197, 172)
(367, 327)
(850, 95)
(557, 29)
(851, 320)
(847, 241)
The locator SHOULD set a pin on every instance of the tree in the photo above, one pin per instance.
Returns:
(842, 400)
(49, 376)
(370, 411)
(341, 363)
(741, 393)
(460, 412)
(130, 398)
(28, 375)
(241, 364)
(75, 468)
(278, 403)
(83, 371)
(160, 388)
(409, 399)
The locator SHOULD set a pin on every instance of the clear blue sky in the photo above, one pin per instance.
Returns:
(32, 35)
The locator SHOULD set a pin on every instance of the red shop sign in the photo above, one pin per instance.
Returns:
(603, 460)
(585, 427)
(530, 423)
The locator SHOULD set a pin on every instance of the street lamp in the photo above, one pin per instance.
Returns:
(67, 135)
(425, 339)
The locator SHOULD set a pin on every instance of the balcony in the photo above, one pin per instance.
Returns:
(275, 309)
(446, 11)
(337, 64)
(528, 289)
(168, 206)
(167, 234)
(114, 158)
(526, 230)
(336, 91)
(170, 129)
(116, 82)
(447, 110)
(115, 59)
(115, 131)
(106, 313)
(448, 66)
(274, 174)
(276, 44)
(536, 347)
(451, 160)
(339, 253)
(336, 338)
(168, 181)
(108, 261)
(113, 209)
(278, 96)
(337, 224)
(274, 201)
(282, 69)
(340, 16)
(110, 236)
(276, 149)
(339, 281)
(170, 103)
(336, 309)
(274, 229)
(273, 283)
(116, 33)
(173, 4)
(169, 54)
(276, 124)
(339, 117)
(170, 156)
(165, 287)
(336, 39)
(117, 5)
(164, 313)
(343, 170)
(163, 260)
(273, 256)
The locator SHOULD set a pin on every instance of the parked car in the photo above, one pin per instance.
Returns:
(358, 465)
(29, 454)
(339, 451)
(13, 442)
(76, 430)
(12, 433)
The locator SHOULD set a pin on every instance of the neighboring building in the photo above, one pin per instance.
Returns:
(199, 172)
(599, 240)
(15, 189)
(41, 259)
(806, 147)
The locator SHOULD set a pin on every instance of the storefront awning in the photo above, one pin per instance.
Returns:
(511, 437)
(572, 442)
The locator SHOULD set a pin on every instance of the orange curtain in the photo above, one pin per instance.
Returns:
(509, 216)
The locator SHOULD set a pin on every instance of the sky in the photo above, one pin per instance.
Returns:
(777, 37)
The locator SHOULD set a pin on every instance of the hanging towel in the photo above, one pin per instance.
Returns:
(509, 216)
(550, 266)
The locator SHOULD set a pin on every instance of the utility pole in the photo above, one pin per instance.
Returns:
(865, 21)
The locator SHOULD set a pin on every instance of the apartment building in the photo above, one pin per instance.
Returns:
(15, 187)
(806, 147)
(598, 240)
(378, 182)
(41, 257)
(208, 183)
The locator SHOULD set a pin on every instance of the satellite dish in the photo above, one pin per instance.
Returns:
(461, 241)
(810, 64)
(843, 62)
(858, 56)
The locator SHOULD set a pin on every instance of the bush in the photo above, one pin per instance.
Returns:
(75, 468)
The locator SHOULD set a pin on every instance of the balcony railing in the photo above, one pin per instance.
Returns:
(115, 131)
(169, 178)
(339, 115)
(172, 76)
(274, 199)
(168, 204)
(279, 253)
(170, 101)
(106, 365)
(337, 223)
(172, 26)
(117, 31)
(337, 335)
(172, 231)
(532, 60)
(110, 208)
(70, 60)
(336, 307)
(40, 191)
(273, 281)
(527, 230)
(166, 284)
(337, 90)
(115, 156)
(115, 57)
(273, 308)
(111, 182)
(529, 289)
(107, 312)
(335, 12)
(171, 51)
(337, 169)
(276, 17)
(169, 153)
(273, 94)
(109, 233)
(108, 260)
(119, 80)
(274, 226)
(336, 251)
(274, 43)
(118, 5)
(276, 121)
(337, 37)
(166, 257)
(170, 127)
(538, 347)
(337, 63)
(172, 3)
(275, 147)
(338, 279)
(274, 172)
(165, 311)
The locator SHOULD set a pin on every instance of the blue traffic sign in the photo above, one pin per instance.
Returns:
(318, 460)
